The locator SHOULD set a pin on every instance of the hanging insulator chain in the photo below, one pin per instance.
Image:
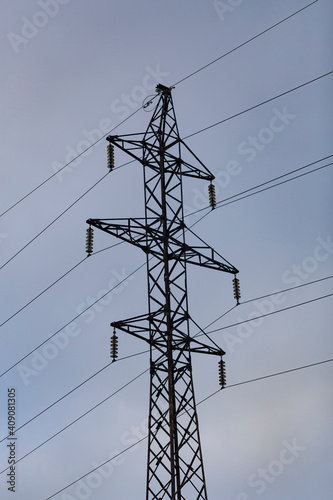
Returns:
(237, 294)
(110, 150)
(222, 376)
(114, 346)
(89, 240)
(212, 196)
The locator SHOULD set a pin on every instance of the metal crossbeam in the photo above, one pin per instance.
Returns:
(150, 240)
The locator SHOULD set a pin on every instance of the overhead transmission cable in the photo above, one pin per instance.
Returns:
(222, 202)
(244, 43)
(73, 319)
(242, 302)
(58, 217)
(77, 387)
(81, 416)
(267, 376)
(68, 163)
(257, 105)
(180, 81)
(54, 220)
(268, 314)
(287, 289)
(200, 402)
(55, 282)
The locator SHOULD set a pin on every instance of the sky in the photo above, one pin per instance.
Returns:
(72, 72)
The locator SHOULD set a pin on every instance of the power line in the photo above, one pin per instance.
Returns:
(257, 105)
(244, 43)
(79, 418)
(69, 322)
(286, 290)
(54, 220)
(96, 468)
(180, 81)
(200, 402)
(54, 283)
(267, 376)
(222, 202)
(41, 293)
(263, 297)
(277, 184)
(68, 163)
(73, 390)
(269, 314)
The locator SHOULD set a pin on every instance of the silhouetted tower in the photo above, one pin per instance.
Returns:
(175, 466)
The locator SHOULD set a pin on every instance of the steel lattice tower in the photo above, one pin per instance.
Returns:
(175, 467)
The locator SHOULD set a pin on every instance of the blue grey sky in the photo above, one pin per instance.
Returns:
(71, 72)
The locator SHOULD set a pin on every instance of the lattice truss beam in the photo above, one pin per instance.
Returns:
(175, 467)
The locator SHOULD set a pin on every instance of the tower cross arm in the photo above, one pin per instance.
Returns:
(140, 326)
(149, 238)
(135, 144)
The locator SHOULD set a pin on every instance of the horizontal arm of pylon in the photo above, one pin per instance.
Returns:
(149, 238)
(139, 326)
(135, 145)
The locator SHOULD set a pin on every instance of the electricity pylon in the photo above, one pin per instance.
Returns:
(175, 467)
